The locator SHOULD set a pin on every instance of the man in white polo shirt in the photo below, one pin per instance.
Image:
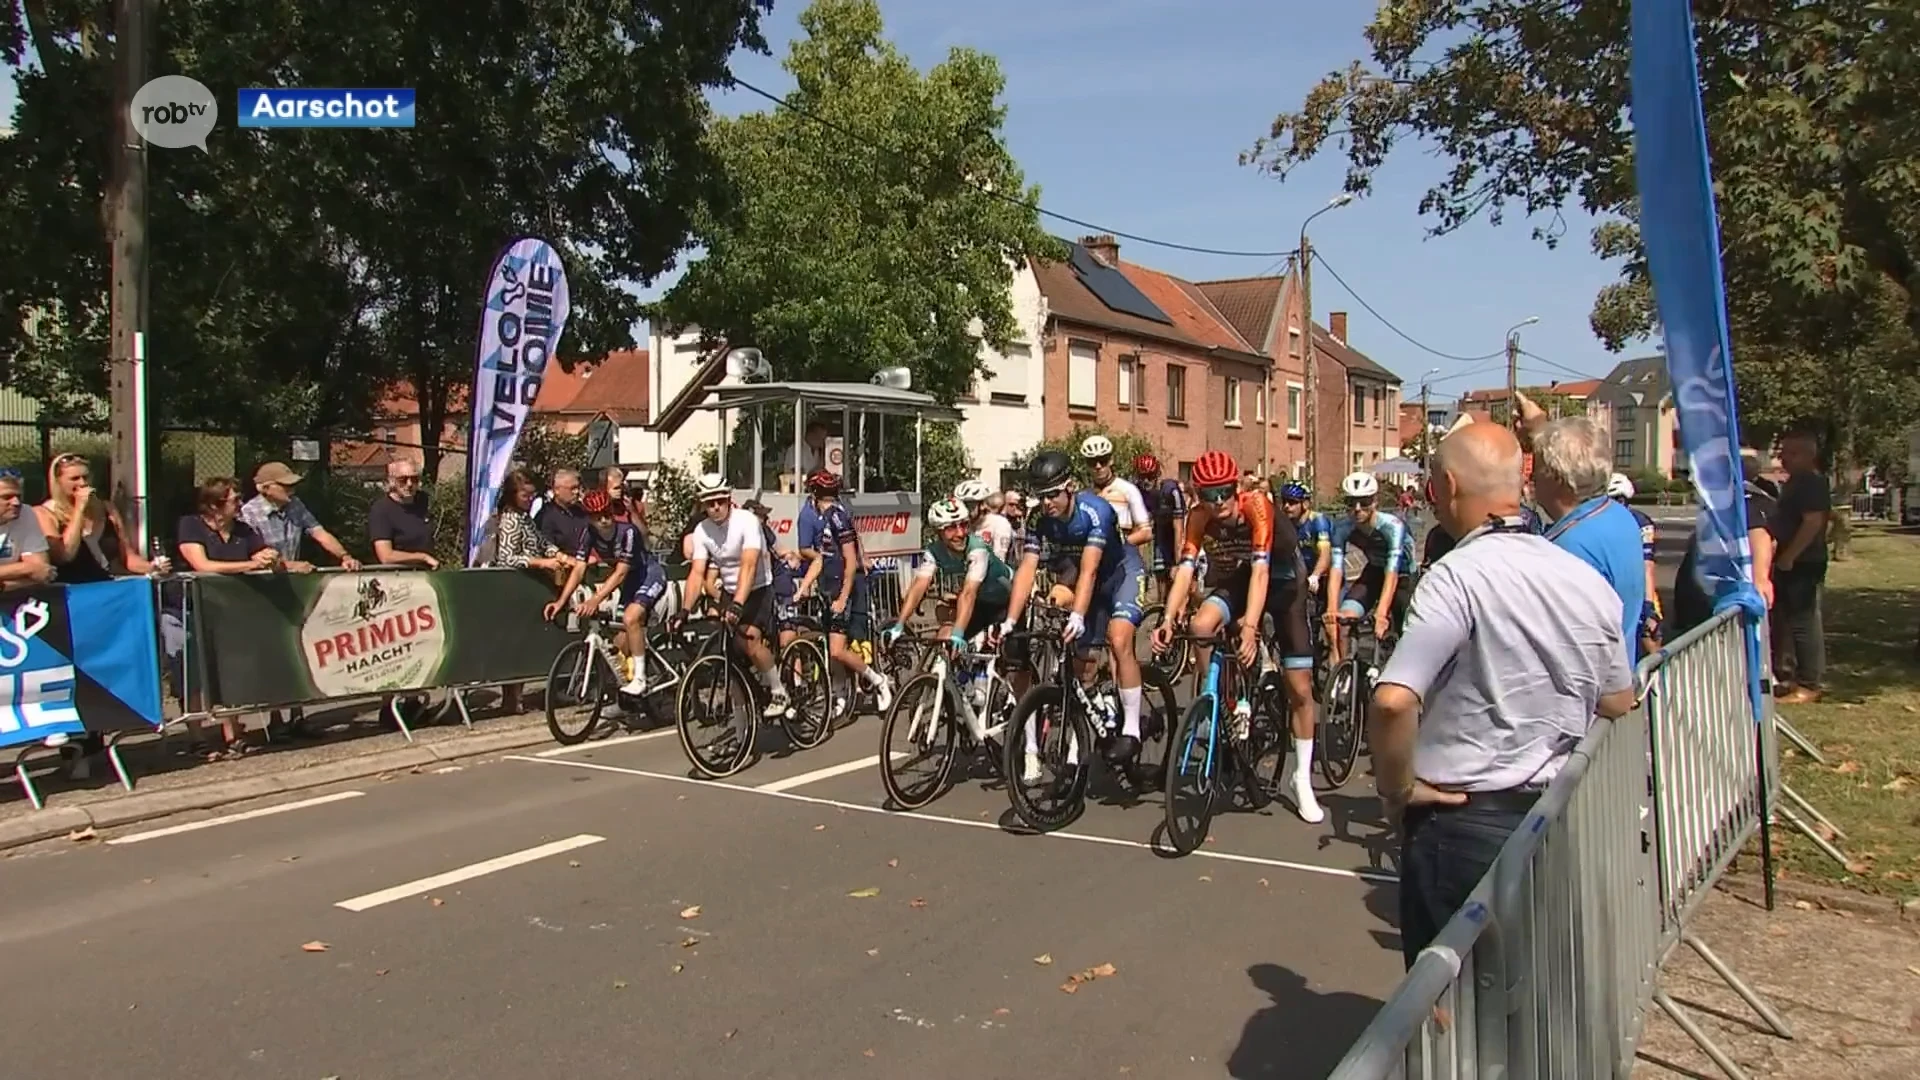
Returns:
(1512, 648)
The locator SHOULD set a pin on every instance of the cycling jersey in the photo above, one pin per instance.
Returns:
(1314, 530)
(722, 544)
(827, 531)
(646, 579)
(1166, 502)
(1649, 538)
(976, 563)
(1091, 523)
(997, 531)
(1387, 544)
(1244, 540)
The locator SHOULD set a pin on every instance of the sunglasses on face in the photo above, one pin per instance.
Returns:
(715, 502)
(1359, 504)
(1218, 495)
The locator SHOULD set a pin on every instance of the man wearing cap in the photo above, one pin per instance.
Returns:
(282, 520)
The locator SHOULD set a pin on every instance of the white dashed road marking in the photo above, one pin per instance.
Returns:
(827, 773)
(248, 815)
(468, 873)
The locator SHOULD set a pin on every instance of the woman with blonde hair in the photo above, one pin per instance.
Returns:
(86, 540)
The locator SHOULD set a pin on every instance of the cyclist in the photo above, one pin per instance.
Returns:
(1312, 527)
(1166, 504)
(988, 523)
(1620, 489)
(636, 577)
(785, 580)
(736, 544)
(985, 579)
(839, 572)
(1388, 547)
(1106, 589)
(1131, 510)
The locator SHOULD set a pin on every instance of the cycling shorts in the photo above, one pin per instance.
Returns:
(1362, 594)
(644, 588)
(1286, 608)
(856, 621)
(1166, 550)
(1116, 596)
(757, 611)
(985, 617)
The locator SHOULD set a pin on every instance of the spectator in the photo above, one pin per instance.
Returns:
(1014, 507)
(813, 452)
(561, 520)
(282, 520)
(1799, 528)
(1691, 603)
(613, 480)
(214, 540)
(520, 545)
(397, 523)
(1511, 648)
(86, 540)
(1572, 461)
(23, 547)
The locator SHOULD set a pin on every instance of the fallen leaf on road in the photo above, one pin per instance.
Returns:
(381, 971)
(678, 968)
(689, 942)
(918, 901)
(730, 1034)
(1263, 883)
(1848, 1038)
(1802, 905)
(873, 952)
(819, 828)
(291, 858)
(893, 862)
(690, 913)
(1103, 971)
(315, 946)
(864, 894)
(1915, 970)
(146, 881)
(1074, 981)
(619, 984)
(1003, 1012)
(1204, 877)
(866, 1053)
(1043, 959)
(575, 863)
(79, 836)
(437, 902)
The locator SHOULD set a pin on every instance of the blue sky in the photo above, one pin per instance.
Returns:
(1130, 114)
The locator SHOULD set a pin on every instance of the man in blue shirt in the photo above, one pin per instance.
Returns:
(1572, 462)
(839, 572)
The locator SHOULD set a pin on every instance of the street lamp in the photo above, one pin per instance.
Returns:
(1426, 416)
(1306, 316)
(1513, 369)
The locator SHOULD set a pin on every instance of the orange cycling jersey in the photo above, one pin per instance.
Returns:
(1241, 542)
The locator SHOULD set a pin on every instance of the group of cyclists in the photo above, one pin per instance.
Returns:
(1224, 561)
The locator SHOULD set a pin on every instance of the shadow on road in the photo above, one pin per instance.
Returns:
(1303, 1034)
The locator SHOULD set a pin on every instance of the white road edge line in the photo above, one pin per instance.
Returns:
(1281, 864)
(246, 815)
(618, 740)
(468, 873)
(828, 773)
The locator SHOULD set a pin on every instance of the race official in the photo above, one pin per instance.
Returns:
(1512, 647)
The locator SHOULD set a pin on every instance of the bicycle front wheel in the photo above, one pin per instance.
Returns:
(717, 717)
(1053, 793)
(1174, 662)
(1339, 734)
(803, 667)
(1193, 772)
(578, 689)
(917, 743)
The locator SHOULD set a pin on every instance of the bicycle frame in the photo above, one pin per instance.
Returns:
(943, 668)
(1214, 686)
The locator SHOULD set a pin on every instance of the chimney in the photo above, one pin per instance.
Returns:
(1103, 247)
(1337, 326)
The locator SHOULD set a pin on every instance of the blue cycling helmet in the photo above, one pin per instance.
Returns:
(1293, 491)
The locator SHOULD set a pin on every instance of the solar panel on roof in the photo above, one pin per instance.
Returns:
(1112, 287)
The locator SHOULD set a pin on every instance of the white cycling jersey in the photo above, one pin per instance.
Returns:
(1128, 506)
(720, 544)
(997, 531)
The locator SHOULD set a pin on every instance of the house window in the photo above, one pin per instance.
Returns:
(1232, 401)
(1296, 395)
(1128, 365)
(1293, 342)
(1623, 452)
(1623, 420)
(1083, 364)
(1008, 384)
(1359, 404)
(1359, 461)
(1176, 392)
(1260, 405)
(1186, 472)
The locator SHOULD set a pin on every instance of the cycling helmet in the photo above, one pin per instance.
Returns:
(1096, 446)
(1215, 468)
(713, 485)
(1619, 487)
(972, 491)
(1360, 485)
(1294, 492)
(1049, 472)
(596, 501)
(946, 512)
(1146, 466)
(824, 483)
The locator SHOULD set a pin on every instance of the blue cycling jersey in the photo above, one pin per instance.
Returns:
(620, 545)
(826, 532)
(1091, 523)
(1387, 544)
(1314, 530)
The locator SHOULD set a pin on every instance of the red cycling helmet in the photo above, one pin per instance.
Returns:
(1146, 465)
(824, 483)
(596, 502)
(1215, 467)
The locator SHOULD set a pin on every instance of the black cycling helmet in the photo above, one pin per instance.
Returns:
(1049, 471)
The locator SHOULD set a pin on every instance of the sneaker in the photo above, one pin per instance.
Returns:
(1030, 770)
(778, 705)
(1301, 789)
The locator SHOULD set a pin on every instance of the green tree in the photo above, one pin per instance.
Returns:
(864, 233)
(1127, 445)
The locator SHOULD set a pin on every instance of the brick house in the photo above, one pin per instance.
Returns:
(1359, 407)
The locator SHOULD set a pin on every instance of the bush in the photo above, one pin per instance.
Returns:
(1127, 445)
(1650, 482)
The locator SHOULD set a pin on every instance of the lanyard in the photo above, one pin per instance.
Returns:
(1515, 524)
(1566, 524)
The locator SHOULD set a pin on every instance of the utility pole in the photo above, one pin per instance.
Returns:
(1513, 379)
(1312, 361)
(1426, 426)
(127, 304)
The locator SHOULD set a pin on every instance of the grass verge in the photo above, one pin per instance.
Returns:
(1868, 725)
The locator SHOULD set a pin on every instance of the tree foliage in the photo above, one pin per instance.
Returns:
(1127, 445)
(861, 237)
(296, 273)
(1816, 156)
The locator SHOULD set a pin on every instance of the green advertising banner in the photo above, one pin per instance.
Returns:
(285, 639)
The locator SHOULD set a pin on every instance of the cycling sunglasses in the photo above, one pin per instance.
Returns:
(1361, 504)
(1220, 494)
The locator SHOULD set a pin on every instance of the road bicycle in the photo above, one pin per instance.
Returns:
(722, 702)
(586, 677)
(957, 705)
(1203, 768)
(1067, 723)
(1343, 712)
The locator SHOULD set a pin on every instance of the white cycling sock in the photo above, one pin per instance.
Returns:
(1302, 757)
(770, 678)
(1130, 710)
(872, 677)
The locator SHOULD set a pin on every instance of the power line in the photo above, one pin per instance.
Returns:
(1002, 196)
(1409, 338)
(1558, 365)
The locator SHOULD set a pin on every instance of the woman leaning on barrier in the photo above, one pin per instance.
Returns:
(213, 540)
(515, 542)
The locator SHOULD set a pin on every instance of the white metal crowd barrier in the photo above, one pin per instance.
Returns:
(1548, 969)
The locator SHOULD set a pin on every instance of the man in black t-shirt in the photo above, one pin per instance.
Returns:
(397, 522)
(1799, 528)
(1691, 603)
(561, 519)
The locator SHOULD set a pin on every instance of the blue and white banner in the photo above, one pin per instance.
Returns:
(526, 309)
(78, 658)
(302, 107)
(1681, 232)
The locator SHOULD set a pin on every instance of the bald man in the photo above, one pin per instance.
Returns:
(1512, 647)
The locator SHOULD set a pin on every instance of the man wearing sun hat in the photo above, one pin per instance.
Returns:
(282, 520)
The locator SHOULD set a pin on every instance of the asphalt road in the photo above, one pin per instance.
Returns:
(569, 944)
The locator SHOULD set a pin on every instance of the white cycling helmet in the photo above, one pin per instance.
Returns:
(712, 484)
(1360, 485)
(946, 512)
(1096, 446)
(1619, 487)
(972, 491)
